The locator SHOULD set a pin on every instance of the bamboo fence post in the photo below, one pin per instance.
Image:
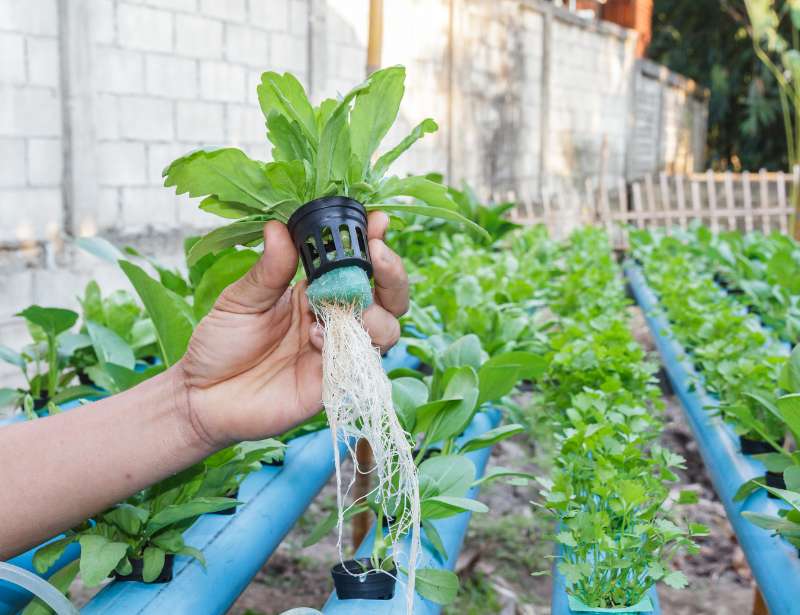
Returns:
(764, 199)
(748, 202)
(729, 201)
(712, 200)
(784, 227)
(681, 196)
(637, 205)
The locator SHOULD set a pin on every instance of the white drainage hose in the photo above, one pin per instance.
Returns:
(38, 587)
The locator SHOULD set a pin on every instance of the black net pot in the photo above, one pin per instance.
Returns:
(751, 446)
(138, 568)
(360, 585)
(775, 480)
(232, 510)
(329, 233)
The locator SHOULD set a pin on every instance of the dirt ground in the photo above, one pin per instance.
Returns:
(502, 548)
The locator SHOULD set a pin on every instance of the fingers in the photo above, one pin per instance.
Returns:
(268, 279)
(391, 279)
(382, 327)
(377, 223)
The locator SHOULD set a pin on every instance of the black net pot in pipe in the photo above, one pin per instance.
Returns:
(775, 480)
(138, 568)
(330, 232)
(750, 446)
(358, 580)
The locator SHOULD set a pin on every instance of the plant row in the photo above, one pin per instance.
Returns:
(610, 483)
(740, 361)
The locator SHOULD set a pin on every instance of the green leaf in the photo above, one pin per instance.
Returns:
(48, 554)
(75, 392)
(566, 538)
(10, 397)
(288, 138)
(179, 512)
(498, 472)
(243, 232)
(227, 209)
(189, 551)
(462, 382)
(11, 356)
(789, 408)
(687, 496)
(127, 518)
(170, 313)
(407, 394)
(491, 437)
(99, 557)
(429, 211)
(375, 111)
(101, 248)
(676, 579)
(436, 585)
(152, 564)
(169, 540)
(322, 528)
(442, 506)
(769, 522)
(285, 95)
(432, 534)
(501, 373)
(774, 462)
(334, 151)
(52, 320)
(383, 163)
(465, 350)
(449, 475)
(219, 276)
(110, 347)
(61, 580)
(226, 173)
(791, 477)
(434, 412)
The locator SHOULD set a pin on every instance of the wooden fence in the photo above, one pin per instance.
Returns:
(745, 201)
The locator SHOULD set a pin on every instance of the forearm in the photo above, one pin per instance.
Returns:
(65, 468)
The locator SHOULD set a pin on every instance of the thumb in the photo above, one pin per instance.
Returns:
(268, 278)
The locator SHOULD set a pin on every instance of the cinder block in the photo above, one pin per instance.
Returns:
(12, 170)
(200, 121)
(22, 297)
(222, 81)
(30, 214)
(246, 45)
(31, 17)
(12, 52)
(119, 70)
(198, 37)
(170, 76)
(227, 10)
(102, 23)
(106, 116)
(245, 124)
(141, 27)
(120, 163)
(287, 52)
(146, 119)
(44, 162)
(298, 16)
(272, 15)
(144, 208)
(177, 5)
(43, 65)
(103, 216)
(29, 112)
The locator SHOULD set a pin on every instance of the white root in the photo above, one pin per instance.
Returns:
(357, 397)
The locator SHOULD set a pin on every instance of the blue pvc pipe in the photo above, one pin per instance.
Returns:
(560, 606)
(774, 562)
(451, 530)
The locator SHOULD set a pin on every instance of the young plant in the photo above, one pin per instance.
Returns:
(45, 362)
(323, 178)
(141, 531)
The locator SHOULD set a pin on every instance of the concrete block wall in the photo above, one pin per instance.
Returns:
(98, 96)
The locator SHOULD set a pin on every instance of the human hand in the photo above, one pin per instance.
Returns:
(254, 364)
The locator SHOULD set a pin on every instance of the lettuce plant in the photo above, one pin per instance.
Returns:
(323, 150)
(45, 363)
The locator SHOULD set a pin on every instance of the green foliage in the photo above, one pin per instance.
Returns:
(317, 151)
(709, 42)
